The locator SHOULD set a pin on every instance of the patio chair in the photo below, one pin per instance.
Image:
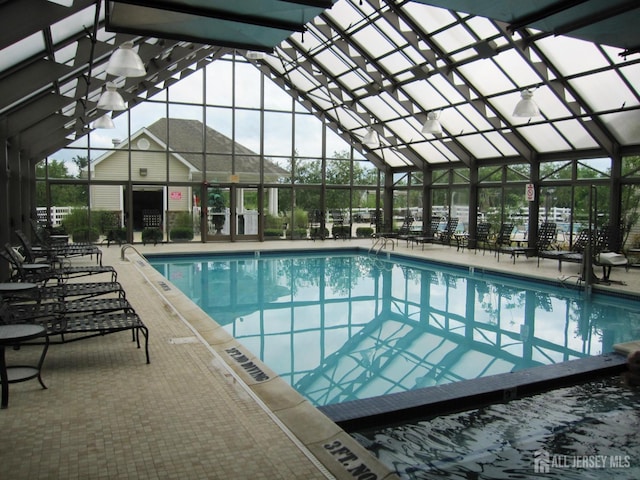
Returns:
(546, 238)
(502, 238)
(428, 234)
(605, 254)
(574, 255)
(483, 230)
(44, 272)
(447, 234)
(81, 321)
(54, 251)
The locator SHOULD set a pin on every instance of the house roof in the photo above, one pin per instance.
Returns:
(182, 134)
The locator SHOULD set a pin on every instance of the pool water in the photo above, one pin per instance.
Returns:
(588, 431)
(341, 326)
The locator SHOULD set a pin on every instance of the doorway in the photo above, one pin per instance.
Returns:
(147, 208)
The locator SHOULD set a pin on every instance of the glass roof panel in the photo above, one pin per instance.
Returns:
(482, 27)
(453, 38)
(372, 42)
(395, 62)
(617, 93)
(476, 118)
(67, 54)
(431, 19)
(425, 95)
(478, 146)
(454, 122)
(575, 133)
(353, 80)
(345, 14)
(543, 137)
(516, 68)
(381, 106)
(331, 62)
(632, 75)
(624, 125)
(71, 25)
(446, 89)
(570, 55)
(428, 152)
(392, 158)
(486, 77)
(21, 50)
(499, 142)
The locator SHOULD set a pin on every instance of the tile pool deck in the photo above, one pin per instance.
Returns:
(200, 409)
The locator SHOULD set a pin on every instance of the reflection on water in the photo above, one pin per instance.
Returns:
(570, 426)
(341, 327)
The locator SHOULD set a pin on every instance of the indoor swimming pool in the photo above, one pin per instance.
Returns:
(340, 326)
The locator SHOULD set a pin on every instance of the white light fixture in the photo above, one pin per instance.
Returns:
(111, 99)
(104, 121)
(125, 62)
(432, 125)
(254, 55)
(371, 138)
(526, 107)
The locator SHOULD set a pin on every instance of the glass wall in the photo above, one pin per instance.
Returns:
(282, 172)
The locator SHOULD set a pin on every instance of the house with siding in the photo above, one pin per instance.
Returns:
(164, 154)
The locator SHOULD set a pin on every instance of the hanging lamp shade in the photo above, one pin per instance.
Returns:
(371, 139)
(104, 121)
(526, 107)
(111, 99)
(432, 125)
(125, 62)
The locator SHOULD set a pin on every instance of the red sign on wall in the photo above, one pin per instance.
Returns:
(175, 195)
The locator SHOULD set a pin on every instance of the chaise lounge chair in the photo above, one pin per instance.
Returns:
(44, 272)
(55, 252)
(546, 238)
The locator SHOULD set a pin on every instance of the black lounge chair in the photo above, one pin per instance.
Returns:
(574, 255)
(428, 235)
(449, 231)
(483, 231)
(81, 322)
(55, 252)
(502, 238)
(546, 238)
(606, 254)
(44, 272)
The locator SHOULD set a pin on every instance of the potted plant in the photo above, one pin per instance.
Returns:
(217, 206)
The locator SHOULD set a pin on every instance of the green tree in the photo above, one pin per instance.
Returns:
(61, 195)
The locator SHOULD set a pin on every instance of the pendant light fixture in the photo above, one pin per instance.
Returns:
(371, 138)
(111, 99)
(432, 125)
(125, 62)
(104, 121)
(526, 107)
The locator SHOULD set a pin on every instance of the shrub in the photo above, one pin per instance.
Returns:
(152, 235)
(364, 232)
(341, 231)
(273, 222)
(181, 233)
(118, 235)
(273, 232)
(85, 235)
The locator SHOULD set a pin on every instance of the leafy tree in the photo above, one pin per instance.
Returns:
(61, 195)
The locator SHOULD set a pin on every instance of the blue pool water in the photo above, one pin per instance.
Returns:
(342, 326)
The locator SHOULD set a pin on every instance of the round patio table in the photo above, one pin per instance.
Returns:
(14, 335)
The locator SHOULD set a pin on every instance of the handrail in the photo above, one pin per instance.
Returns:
(125, 247)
